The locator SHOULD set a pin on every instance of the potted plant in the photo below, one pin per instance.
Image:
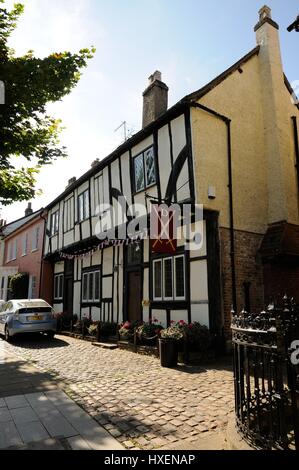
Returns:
(168, 345)
(149, 332)
(126, 331)
(93, 328)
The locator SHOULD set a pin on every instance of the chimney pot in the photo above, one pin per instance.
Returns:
(71, 181)
(265, 12)
(155, 99)
(95, 162)
(28, 210)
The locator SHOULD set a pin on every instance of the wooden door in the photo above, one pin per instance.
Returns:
(134, 296)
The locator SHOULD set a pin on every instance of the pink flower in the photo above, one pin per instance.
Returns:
(172, 322)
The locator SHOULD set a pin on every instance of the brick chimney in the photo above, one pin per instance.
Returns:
(155, 99)
(28, 210)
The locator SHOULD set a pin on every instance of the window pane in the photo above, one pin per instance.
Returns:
(168, 278)
(80, 202)
(55, 286)
(97, 286)
(150, 167)
(90, 287)
(139, 173)
(56, 221)
(179, 277)
(158, 279)
(85, 278)
(61, 286)
(86, 204)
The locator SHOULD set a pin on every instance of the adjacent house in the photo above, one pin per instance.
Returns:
(22, 262)
(231, 146)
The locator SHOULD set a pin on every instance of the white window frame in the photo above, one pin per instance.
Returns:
(160, 260)
(68, 214)
(35, 239)
(91, 276)
(83, 206)
(54, 223)
(12, 250)
(25, 244)
(59, 278)
(174, 280)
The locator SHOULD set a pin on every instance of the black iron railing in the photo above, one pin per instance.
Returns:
(266, 376)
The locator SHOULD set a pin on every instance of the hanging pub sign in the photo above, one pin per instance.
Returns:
(163, 229)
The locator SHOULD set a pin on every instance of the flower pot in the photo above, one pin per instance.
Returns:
(168, 350)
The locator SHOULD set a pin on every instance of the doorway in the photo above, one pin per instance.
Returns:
(134, 299)
(68, 286)
(133, 282)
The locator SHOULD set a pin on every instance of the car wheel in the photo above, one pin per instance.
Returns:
(51, 334)
(7, 335)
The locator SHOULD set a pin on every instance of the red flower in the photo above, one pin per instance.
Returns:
(127, 325)
(172, 322)
(182, 322)
(190, 326)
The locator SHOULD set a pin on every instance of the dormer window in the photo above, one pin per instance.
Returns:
(144, 169)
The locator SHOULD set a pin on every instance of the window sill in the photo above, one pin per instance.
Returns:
(24, 254)
(35, 249)
(144, 189)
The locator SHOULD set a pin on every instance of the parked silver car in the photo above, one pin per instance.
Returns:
(27, 316)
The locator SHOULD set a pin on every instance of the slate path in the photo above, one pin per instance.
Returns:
(137, 401)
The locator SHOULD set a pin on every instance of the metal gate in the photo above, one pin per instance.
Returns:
(266, 374)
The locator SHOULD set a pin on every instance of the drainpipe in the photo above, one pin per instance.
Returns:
(42, 257)
(230, 193)
(294, 119)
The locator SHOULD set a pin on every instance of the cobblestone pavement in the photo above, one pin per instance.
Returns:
(140, 403)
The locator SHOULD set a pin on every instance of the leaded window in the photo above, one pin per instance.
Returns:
(144, 169)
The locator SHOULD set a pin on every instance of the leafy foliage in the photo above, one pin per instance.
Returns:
(25, 127)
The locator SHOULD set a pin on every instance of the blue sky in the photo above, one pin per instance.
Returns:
(189, 41)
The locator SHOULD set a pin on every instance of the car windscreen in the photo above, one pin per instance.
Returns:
(35, 310)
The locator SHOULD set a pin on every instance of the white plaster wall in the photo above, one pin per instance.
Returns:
(107, 267)
(107, 287)
(77, 298)
(178, 135)
(160, 315)
(200, 313)
(177, 315)
(95, 313)
(142, 145)
(58, 308)
(199, 280)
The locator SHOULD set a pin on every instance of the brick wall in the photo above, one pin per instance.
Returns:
(248, 269)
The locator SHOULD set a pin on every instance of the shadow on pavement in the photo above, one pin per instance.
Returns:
(37, 341)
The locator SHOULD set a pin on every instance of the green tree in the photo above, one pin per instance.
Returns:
(26, 129)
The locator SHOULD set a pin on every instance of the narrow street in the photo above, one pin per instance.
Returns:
(139, 403)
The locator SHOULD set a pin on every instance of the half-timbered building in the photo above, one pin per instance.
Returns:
(231, 146)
